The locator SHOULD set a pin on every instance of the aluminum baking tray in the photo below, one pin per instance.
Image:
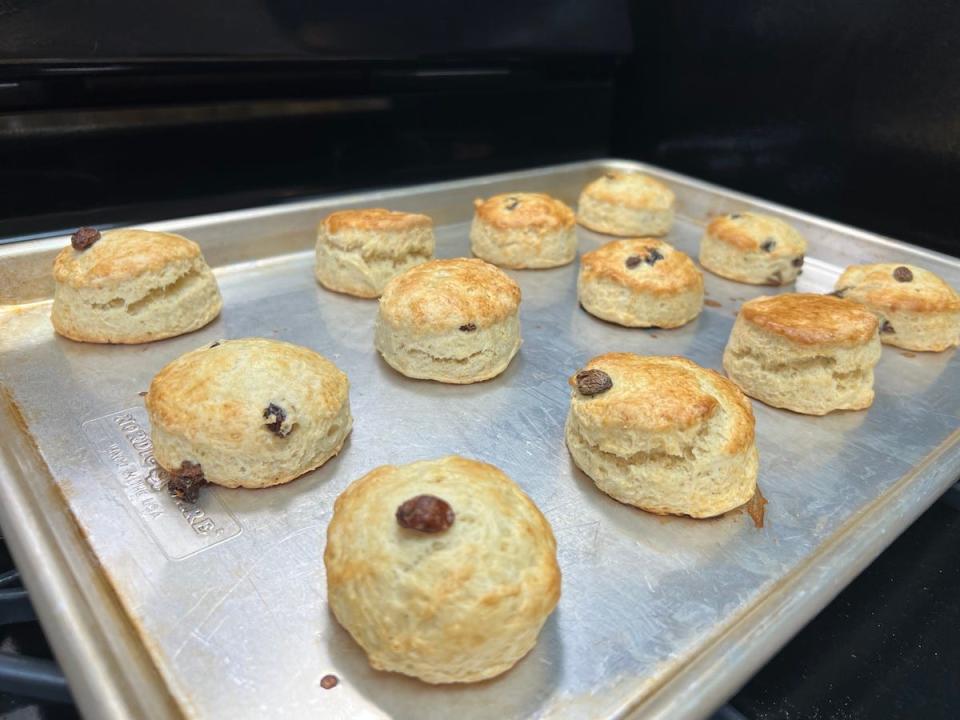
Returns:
(157, 609)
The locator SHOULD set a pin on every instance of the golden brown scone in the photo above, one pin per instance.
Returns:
(523, 230)
(250, 413)
(808, 353)
(455, 321)
(358, 251)
(663, 434)
(916, 309)
(131, 286)
(640, 282)
(441, 569)
(627, 204)
(753, 248)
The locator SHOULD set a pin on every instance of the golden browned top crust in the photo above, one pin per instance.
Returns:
(121, 255)
(751, 232)
(373, 219)
(634, 263)
(809, 319)
(631, 190)
(878, 286)
(662, 394)
(441, 295)
(218, 393)
(524, 210)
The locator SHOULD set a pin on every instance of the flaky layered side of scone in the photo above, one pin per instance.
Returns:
(812, 354)
(753, 248)
(133, 286)
(640, 282)
(251, 413)
(358, 251)
(662, 434)
(454, 321)
(441, 569)
(916, 309)
(627, 204)
(523, 230)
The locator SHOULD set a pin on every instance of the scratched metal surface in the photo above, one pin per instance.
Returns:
(229, 598)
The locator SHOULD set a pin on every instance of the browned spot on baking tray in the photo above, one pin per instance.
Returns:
(329, 681)
(908, 354)
(755, 508)
(653, 335)
(712, 303)
(99, 580)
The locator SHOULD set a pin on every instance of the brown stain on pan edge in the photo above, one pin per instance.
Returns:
(106, 588)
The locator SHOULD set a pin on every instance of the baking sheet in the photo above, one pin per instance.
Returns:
(658, 616)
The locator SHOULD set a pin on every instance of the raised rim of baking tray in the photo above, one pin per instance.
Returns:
(110, 672)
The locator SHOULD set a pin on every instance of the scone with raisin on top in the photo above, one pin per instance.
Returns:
(662, 434)
(441, 569)
(453, 321)
(131, 286)
(753, 248)
(628, 204)
(246, 413)
(640, 282)
(523, 230)
(916, 308)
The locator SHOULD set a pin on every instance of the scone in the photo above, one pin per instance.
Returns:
(246, 413)
(626, 204)
(752, 248)
(131, 286)
(916, 309)
(358, 251)
(808, 353)
(441, 569)
(523, 230)
(455, 321)
(663, 434)
(640, 282)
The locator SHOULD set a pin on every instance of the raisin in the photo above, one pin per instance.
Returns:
(768, 245)
(610, 176)
(735, 216)
(840, 292)
(902, 274)
(276, 417)
(593, 382)
(328, 682)
(886, 327)
(775, 278)
(213, 345)
(84, 238)
(185, 483)
(469, 327)
(512, 203)
(797, 261)
(650, 258)
(425, 513)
